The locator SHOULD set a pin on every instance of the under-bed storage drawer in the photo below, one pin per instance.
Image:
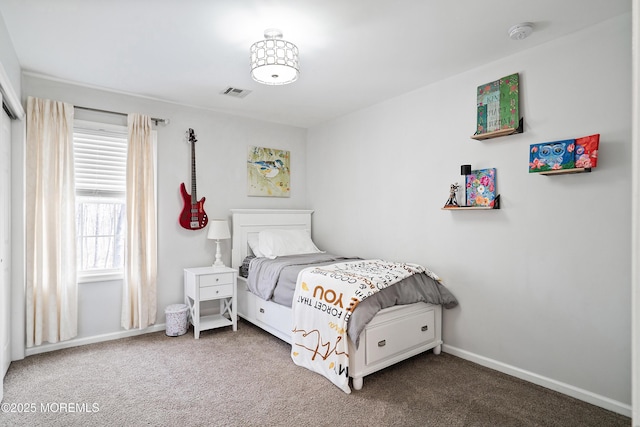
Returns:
(390, 338)
(274, 315)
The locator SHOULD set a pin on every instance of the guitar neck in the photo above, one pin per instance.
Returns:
(194, 197)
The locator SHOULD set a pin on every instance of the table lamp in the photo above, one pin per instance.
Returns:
(218, 230)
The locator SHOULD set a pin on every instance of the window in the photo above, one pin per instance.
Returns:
(100, 160)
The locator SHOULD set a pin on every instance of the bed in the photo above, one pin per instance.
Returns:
(391, 335)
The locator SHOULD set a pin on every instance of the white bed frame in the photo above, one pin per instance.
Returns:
(394, 334)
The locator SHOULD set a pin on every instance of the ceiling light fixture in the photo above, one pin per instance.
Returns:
(274, 61)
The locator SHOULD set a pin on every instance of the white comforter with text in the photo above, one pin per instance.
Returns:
(324, 299)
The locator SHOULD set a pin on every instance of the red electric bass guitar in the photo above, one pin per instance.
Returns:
(193, 216)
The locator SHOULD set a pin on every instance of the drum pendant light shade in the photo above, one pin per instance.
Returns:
(274, 61)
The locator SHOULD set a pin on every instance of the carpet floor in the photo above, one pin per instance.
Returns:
(247, 378)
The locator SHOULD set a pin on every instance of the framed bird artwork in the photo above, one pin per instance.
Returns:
(268, 172)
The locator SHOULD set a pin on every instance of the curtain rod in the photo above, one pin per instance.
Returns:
(153, 119)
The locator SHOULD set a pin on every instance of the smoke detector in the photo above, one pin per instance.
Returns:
(520, 31)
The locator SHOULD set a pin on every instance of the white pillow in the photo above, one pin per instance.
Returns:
(275, 243)
(252, 240)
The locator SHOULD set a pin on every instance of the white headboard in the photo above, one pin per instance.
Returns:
(252, 221)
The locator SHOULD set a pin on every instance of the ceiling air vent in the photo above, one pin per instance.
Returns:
(235, 92)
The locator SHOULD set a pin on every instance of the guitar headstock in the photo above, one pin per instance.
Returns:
(192, 136)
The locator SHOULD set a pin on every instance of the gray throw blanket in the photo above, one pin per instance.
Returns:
(268, 270)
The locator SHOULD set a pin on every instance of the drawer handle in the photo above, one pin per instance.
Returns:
(262, 310)
(382, 343)
(425, 328)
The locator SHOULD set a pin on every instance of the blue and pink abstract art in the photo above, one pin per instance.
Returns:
(567, 154)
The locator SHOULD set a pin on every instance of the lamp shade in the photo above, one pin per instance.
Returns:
(274, 61)
(218, 229)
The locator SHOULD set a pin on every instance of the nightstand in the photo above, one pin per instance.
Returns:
(206, 284)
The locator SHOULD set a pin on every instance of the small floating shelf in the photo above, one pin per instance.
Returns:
(565, 171)
(468, 208)
(496, 205)
(499, 132)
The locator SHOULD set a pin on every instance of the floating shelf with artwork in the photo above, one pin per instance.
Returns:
(496, 205)
(498, 108)
(568, 156)
(566, 171)
(480, 190)
(501, 132)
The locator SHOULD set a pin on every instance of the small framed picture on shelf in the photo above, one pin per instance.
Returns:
(586, 155)
(481, 187)
(566, 155)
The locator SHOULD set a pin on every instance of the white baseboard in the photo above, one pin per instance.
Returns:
(44, 348)
(569, 390)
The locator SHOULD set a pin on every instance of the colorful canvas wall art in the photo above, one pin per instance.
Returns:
(586, 155)
(268, 172)
(555, 155)
(481, 188)
(568, 154)
(498, 105)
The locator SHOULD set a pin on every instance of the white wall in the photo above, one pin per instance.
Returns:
(8, 57)
(635, 263)
(544, 282)
(221, 155)
(11, 67)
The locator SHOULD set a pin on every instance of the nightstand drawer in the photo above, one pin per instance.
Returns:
(216, 291)
(216, 279)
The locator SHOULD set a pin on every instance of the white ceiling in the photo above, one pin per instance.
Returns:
(353, 53)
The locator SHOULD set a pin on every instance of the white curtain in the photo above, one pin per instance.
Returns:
(51, 288)
(139, 291)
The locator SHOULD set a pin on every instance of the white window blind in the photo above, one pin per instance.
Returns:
(100, 161)
(100, 157)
